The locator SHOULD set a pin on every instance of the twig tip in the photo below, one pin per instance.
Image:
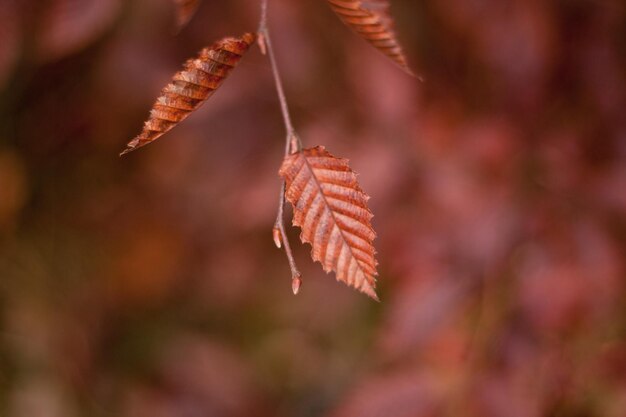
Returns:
(296, 283)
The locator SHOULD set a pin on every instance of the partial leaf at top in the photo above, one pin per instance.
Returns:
(331, 210)
(373, 22)
(191, 87)
(185, 9)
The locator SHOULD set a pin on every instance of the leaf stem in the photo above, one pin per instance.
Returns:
(292, 144)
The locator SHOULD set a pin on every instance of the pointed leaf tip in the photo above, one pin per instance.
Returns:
(370, 292)
(372, 21)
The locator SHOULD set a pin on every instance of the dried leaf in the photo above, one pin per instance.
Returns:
(372, 21)
(331, 209)
(185, 9)
(191, 87)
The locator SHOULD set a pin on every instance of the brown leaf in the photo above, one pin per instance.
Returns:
(185, 9)
(191, 87)
(372, 21)
(331, 209)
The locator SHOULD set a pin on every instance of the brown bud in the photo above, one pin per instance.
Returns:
(296, 282)
(260, 40)
(278, 240)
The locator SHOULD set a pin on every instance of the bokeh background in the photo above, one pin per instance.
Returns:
(149, 285)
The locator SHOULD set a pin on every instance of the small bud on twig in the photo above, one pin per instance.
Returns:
(296, 282)
(261, 42)
(278, 240)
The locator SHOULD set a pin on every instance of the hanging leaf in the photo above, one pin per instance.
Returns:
(191, 87)
(185, 9)
(331, 209)
(373, 22)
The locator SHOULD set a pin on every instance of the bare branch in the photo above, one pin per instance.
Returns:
(280, 226)
(292, 144)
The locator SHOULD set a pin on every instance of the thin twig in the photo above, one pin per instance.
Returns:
(292, 144)
(293, 141)
(296, 277)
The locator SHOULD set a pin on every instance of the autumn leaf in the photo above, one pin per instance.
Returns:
(331, 209)
(191, 87)
(185, 9)
(373, 22)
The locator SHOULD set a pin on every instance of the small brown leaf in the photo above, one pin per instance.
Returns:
(185, 9)
(372, 21)
(191, 87)
(331, 209)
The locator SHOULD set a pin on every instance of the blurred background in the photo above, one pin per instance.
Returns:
(149, 285)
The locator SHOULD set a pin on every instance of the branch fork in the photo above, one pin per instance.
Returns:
(328, 204)
(292, 145)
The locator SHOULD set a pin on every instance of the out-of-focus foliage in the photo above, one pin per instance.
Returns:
(150, 286)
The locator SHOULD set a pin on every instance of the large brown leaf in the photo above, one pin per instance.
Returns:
(372, 21)
(185, 9)
(331, 209)
(191, 87)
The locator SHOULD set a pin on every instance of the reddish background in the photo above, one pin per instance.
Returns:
(149, 285)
